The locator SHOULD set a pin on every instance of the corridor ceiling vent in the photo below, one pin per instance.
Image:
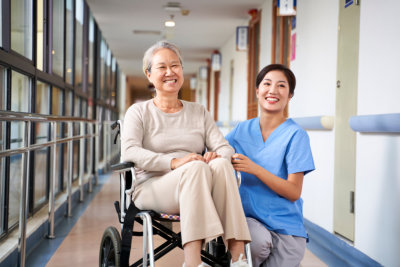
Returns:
(175, 7)
(146, 32)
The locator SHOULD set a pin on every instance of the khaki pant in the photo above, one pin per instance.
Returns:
(206, 197)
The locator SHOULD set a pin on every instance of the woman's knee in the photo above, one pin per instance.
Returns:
(219, 162)
(196, 168)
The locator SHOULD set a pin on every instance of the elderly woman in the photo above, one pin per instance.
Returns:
(165, 137)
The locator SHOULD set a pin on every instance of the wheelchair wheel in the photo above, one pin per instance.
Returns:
(110, 248)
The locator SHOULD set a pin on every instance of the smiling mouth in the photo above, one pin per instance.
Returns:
(272, 99)
(171, 81)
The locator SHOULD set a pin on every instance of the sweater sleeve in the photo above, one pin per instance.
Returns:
(132, 144)
(215, 141)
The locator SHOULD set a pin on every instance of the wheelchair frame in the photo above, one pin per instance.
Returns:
(111, 253)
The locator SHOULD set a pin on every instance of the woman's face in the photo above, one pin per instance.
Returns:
(273, 92)
(166, 72)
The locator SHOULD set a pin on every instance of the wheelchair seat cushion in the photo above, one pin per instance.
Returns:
(170, 217)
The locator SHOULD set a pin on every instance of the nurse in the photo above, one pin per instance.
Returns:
(273, 154)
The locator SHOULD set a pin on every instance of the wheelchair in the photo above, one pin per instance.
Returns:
(115, 247)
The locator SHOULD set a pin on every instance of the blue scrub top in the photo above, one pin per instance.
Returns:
(287, 150)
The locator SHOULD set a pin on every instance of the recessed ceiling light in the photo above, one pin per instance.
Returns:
(170, 23)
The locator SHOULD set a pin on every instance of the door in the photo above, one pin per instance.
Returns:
(253, 64)
(346, 106)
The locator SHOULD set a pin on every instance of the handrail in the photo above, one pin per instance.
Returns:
(27, 119)
(378, 123)
(319, 123)
(24, 116)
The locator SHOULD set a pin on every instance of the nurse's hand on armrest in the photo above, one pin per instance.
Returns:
(177, 162)
(242, 163)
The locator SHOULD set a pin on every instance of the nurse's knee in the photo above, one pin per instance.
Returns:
(261, 241)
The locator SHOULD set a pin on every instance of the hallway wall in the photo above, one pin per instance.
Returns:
(377, 195)
(239, 97)
(378, 155)
(315, 70)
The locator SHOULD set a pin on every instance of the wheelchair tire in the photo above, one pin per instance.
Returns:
(110, 248)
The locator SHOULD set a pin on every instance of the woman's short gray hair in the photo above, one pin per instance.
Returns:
(148, 55)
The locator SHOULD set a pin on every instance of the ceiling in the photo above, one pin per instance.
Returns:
(209, 24)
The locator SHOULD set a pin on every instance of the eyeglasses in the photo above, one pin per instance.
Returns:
(164, 68)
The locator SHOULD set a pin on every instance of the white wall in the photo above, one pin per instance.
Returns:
(266, 34)
(239, 100)
(315, 70)
(377, 231)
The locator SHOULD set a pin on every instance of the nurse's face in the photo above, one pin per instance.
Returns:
(273, 92)
(166, 72)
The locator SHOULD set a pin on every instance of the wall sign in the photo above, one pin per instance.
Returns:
(286, 7)
(242, 37)
(348, 3)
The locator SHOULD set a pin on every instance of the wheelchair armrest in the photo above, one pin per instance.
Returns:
(122, 166)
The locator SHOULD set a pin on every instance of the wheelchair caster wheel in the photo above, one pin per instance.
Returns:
(110, 248)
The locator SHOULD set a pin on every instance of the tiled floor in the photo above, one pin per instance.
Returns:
(81, 246)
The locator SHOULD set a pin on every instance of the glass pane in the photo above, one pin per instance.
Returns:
(103, 53)
(78, 42)
(19, 92)
(68, 103)
(65, 167)
(40, 176)
(2, 143)
(58, 37)
(42, 107)
(113, 81)
(91, 64)
(2, 88)
(21, 27)
(39, 35)
(1, 45)
(2, 179)
(14, 189)
(57, 101)
(69, 42)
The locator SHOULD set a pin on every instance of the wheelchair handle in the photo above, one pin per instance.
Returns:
(114, 125)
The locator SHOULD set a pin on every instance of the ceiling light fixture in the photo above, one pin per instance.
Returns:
(170, 23)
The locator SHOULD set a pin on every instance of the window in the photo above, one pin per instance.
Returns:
(113, 82)
(41, 156)
(78, 42)
(1, 41)
(20, 89)
(91, 56)
(103, 54)
(57, 52)
(40, 36)
(21, 27)
(2, 146)
(69, 51)
(56, 109)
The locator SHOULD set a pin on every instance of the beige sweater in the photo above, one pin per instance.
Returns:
(152, 138)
